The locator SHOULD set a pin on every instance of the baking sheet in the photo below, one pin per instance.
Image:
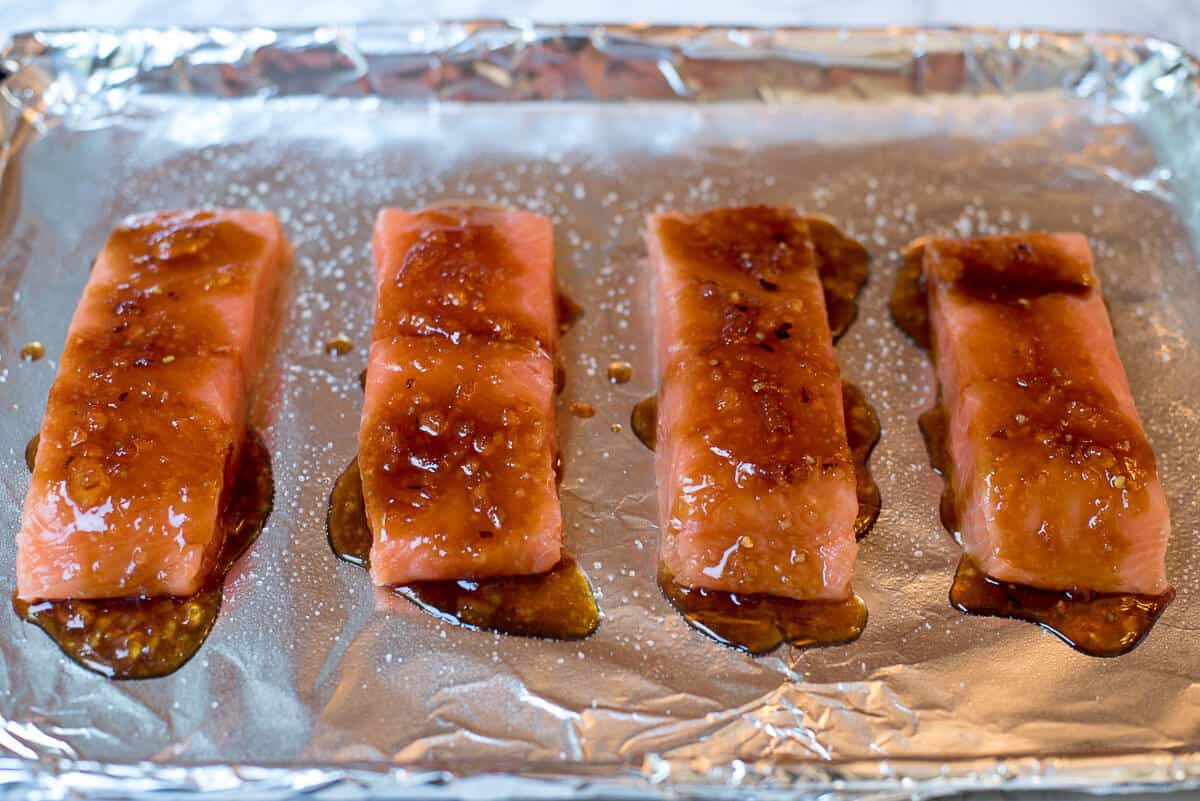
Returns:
(311, 681)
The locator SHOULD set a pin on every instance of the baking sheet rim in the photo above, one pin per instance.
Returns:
(908, 776)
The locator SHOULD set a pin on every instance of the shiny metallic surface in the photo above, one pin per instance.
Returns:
(313, 682)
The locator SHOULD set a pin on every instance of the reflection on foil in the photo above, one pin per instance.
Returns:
(309, 683)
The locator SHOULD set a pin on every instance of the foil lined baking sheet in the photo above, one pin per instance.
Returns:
(313, 682)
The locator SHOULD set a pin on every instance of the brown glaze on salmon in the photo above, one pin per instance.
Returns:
(460, 439)
(557, 604)
(758, 623)
(756, 479)
(147, 415)
(457, 444)
(466, 271)
(150, 637)
(1054, 480)
(1051, 485)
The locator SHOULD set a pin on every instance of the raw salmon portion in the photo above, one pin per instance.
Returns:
(756, 481)
(148, 411)
(457, 444)
(465, 271)
(1055, 482)
(457, 450)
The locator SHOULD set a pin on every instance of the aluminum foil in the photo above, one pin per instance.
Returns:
(313, 682)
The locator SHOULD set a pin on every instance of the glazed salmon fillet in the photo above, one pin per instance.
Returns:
(465, 271)
(147, 414)
(460, 442)
(1055, 482)
(756, 480)
(457, 444)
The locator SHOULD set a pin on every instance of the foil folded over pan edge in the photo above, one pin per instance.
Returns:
(81, 77)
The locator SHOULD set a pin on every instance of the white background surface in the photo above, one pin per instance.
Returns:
(1177, 20)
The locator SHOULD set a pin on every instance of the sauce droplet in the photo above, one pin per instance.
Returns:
(583, 410)
(32, 351)
(620, 372)
(568, 312)
(339, 345)
(31, 451)
(346, 521)
(644, 421)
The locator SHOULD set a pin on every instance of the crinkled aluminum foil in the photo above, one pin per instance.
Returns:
(313, 682)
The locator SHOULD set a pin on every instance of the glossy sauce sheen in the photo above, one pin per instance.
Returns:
(1095, 623)
(862, 432)
(142, 638)
(555, 605)
(143, 428)
(457, 441)
(455, 272)
(759, 623)
(756, 480)
(455, 506)
(737, 289)
(462, 439)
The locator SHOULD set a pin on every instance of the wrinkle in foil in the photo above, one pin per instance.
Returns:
(312, 681)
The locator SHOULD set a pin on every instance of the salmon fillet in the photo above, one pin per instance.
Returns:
(147, 414)
(756, 479)
(465, 271)
(457, 444)
(1055, 482)
(460, 442)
